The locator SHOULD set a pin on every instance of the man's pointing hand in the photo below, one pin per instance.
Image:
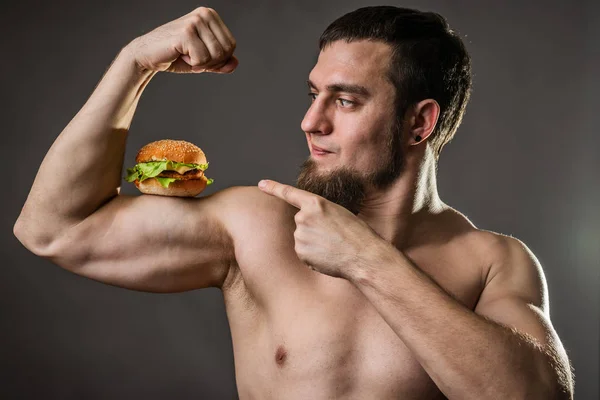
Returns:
(328, 237)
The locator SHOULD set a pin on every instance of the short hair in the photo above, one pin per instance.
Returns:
(429, 60)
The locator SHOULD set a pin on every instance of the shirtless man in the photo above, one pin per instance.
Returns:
(358, 284)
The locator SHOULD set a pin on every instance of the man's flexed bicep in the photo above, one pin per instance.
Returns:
(83, 168)
(151, 243)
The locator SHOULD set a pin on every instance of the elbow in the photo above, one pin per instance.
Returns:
(39, 244)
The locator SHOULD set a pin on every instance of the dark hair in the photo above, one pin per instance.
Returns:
(429, 60)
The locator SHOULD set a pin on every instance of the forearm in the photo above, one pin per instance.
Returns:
(82, 169)
(466, 355)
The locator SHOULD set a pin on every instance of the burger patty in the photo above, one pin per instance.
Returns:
(191, 174)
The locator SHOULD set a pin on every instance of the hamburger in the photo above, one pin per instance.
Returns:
(170, 168)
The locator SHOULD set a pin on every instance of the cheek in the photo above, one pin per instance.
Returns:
(370, 142)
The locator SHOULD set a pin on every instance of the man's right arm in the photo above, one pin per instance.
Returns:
(153, 243)
(74, 214)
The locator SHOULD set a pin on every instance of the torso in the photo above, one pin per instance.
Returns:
(299, 334)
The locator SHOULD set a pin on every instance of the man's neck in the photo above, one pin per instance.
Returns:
(409, 203)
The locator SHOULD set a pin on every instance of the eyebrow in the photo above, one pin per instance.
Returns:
(344, 87)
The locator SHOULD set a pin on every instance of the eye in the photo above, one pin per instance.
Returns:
(347, 102)
(312, 96)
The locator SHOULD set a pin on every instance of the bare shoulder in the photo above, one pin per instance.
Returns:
(256, 221)
(258, 224)
(502, 256)
(499, 247)
(505, 249)
(511, 258)
(504, 260)
(248, 205)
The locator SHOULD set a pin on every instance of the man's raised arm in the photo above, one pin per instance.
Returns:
(77, 185)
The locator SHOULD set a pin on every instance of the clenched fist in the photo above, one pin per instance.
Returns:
(196, 42)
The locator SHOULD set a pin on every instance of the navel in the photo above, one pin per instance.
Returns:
(280, 355)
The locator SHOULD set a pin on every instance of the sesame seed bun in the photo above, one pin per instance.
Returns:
(173, 150)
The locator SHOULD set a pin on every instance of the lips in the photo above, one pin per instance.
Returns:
(315, 148)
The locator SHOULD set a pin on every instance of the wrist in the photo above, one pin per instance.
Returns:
(378, 253)
(127, 56)
(118, 91)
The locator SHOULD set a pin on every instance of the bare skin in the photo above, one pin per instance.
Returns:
(300, 334)
(297, 333)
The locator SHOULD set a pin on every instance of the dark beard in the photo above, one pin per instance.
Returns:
(346, 186)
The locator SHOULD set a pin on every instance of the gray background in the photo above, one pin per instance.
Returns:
(525, 162)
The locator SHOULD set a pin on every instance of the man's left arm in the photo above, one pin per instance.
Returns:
(505, 349)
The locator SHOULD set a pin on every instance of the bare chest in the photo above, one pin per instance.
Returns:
(300, 334)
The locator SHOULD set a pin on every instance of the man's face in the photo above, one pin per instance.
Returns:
(352, 115)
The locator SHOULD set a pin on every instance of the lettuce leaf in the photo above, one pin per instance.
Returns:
(165, 181)
(152, 169)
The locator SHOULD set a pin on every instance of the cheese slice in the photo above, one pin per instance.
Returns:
(182, 169)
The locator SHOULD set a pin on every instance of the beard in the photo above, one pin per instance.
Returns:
(346, 186)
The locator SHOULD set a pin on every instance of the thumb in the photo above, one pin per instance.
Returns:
(226, 68)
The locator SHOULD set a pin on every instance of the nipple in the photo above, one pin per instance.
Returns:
(280, 355)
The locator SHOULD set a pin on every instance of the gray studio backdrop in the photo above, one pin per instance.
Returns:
(525, 162)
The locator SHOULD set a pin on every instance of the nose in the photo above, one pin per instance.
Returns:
(316, 119)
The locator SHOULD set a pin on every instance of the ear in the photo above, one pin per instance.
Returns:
(423, 120)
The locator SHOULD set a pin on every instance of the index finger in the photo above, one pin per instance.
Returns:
(294, 196)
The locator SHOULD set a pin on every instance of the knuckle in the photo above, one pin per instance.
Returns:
(299, 217)
(204, 12)
(286, 192)
(317, 202)
(195, 18)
